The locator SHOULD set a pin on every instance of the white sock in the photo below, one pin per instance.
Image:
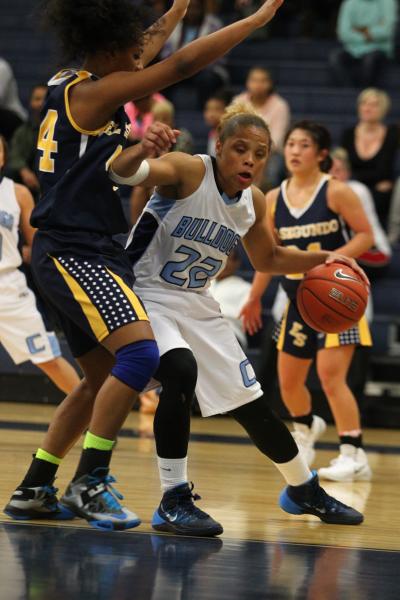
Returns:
(173, 472)
(296, 471)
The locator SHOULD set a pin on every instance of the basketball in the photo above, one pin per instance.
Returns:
(332, 298)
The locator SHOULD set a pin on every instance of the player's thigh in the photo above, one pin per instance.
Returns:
(90, 296)
(292, 370)
(334, 363)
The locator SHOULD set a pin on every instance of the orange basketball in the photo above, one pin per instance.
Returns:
(332, 298)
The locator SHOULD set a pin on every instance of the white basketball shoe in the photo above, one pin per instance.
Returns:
(305, 437)
(350, 465)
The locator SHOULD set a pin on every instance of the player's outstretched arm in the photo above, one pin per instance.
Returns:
(94, 102)
(157, 34)
(266, 256)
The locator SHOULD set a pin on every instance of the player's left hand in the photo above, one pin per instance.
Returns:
(349, 262)
(158, 139)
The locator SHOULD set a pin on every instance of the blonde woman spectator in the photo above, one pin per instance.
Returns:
(372, 147)
(275, 111)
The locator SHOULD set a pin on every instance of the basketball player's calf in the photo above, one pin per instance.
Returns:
(177, 512)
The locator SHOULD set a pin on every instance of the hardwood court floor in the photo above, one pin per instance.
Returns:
(239, 486)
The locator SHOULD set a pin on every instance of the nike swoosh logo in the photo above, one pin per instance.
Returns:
(171, 518)
(340, 275)
(165, 469)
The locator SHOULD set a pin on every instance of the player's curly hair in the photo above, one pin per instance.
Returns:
(87, 26)
(240, 114)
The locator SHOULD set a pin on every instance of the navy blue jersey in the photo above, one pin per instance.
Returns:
(313, 227)
(76, 191)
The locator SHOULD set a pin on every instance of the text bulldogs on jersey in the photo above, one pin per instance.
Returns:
(207, 232)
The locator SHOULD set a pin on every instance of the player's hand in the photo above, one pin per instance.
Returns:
(267, 12)
(349, 262)
(251, 316)
(158, 139)
(29, 178)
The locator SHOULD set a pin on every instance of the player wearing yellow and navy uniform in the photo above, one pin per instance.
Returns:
(78, 266)
(313, 227)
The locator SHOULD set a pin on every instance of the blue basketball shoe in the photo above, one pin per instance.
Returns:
(93, 498)
(178, 514)
(37, 503)
(311, 499)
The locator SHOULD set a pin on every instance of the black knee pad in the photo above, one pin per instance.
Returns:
(178, 370)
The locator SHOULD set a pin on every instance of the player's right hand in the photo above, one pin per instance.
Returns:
(251, 316)
(158, 139)
(267, 11)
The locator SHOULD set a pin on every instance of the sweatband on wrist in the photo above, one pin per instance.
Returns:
(138, 177)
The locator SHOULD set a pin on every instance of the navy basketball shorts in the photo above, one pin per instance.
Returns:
(91, 295)
(295, 337)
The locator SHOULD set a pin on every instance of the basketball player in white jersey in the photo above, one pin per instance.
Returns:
(196, 216)
(22, 331)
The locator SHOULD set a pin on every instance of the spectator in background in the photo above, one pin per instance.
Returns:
(366, 29)
(213, 111)
(140, 115)
(379, 255)
(165, 113)
(393, 226)
(12, 113)
(21, 165)
(200, 20)
(260, 94)
(372, 147)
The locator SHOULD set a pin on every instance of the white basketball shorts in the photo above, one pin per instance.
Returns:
(226, 379)
(22, 331)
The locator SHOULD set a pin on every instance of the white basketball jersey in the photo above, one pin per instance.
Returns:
(10, 212)
(183, 244)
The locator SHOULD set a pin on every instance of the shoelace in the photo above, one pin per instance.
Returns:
(50, 498)
(186, 499)
(110, 494)
(324, 500)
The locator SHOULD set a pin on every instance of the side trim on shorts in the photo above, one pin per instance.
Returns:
(93, 316)
(137, 305)
(281, 338)
(365, 333)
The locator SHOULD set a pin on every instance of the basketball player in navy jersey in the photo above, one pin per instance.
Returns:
(80, 270)
(195, 218)
(312, 211)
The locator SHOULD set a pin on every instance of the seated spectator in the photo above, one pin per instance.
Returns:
(22, 331)
(213, 111)
(393, 226)
(165, 113)
(140, 115)
(275, 111)
(21, 166)
(366, 29)
(231, 292)
(379, 255)
(200, 20)
(12, 113)
(372, 147)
